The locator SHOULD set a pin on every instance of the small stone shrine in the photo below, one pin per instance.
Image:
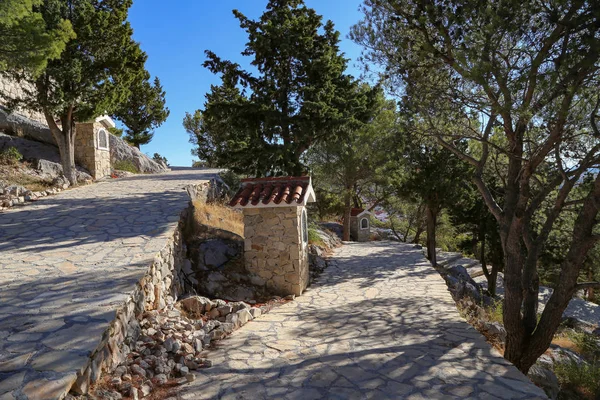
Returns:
(276, 231)
(92, 146)
(360, 226)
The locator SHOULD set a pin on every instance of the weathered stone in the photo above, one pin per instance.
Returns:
(244, 316)
(160, 379)
(255, 312)
(546, 379)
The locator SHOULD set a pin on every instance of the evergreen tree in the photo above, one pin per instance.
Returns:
(93, 75)
(527, 72)
(143, 111)
(264, 123)
(26, 41)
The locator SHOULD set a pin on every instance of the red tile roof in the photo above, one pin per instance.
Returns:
(356, 211)
(278, 191)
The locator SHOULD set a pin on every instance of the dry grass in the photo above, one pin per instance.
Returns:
(13, 175)
(219, 216)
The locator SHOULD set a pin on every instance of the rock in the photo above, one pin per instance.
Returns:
(190, 377)
(546, 379)
(146, 389)
(121, 151)
(168, 344)
(244, 316)
(137, 370)
(239, 305)
(234, 319)
(120, 370)
(225, 310)
(255, 312)
(160, 379)
(496, 329)
(109, 394)
(134, 393)
(290, 297)
(44, 157)
(195, 306)
(214, 313)
(126, 378)
(184, 370)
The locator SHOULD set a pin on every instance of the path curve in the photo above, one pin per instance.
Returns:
(67, 262)
(379, 323)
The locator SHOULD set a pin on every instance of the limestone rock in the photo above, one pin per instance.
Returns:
(545, 379)
(121, 151)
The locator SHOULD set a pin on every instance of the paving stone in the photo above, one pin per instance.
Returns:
(11, 382)
(63, 278)
(378, 324)
(59, 361)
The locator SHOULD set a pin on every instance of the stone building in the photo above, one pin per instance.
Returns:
(360, 226)
(92, 146)
(276, 231)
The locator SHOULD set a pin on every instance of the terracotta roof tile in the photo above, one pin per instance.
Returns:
(290, 190)
(356, 211)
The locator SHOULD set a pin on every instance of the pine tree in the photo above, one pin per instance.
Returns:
(26, 42)
(93, 75)
(264, 123)
(143, 111)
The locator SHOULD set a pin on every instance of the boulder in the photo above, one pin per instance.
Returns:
(460, 284)
(121, 151)
(545, 378)
(44, 158)
(496, 329)
(195, 306)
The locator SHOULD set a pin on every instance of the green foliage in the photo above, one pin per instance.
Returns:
(93, 75)
(143, 111)
(495, 313)
(579, 376)
(586, 342)
(116, 131)
(27, 43)
(160, 159)
(125, 165)
(314, 237)
(232, 180)
(263, 123)
(10, 156)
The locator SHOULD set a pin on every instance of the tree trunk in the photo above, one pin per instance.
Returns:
(65, 140)
(137, 145)
(347, 211)
(431, 224)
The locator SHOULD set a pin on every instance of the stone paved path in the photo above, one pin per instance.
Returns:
(67, 262)
(378, 324)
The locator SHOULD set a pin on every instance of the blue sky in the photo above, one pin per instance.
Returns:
(175, 35)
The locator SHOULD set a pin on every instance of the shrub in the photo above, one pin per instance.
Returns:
(125, 165)
(586, 343)
(314, 237)
(494, 312)
(232, 180)
(10, 156)
(582, 377)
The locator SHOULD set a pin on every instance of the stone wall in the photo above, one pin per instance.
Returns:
(359, 234)
(274, 248)
(87, 152)
(168, 277)
(12, 89)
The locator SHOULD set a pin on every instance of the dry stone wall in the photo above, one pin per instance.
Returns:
(163, 282)
(274, 248)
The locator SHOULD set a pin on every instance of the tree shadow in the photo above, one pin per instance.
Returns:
(391, 348)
